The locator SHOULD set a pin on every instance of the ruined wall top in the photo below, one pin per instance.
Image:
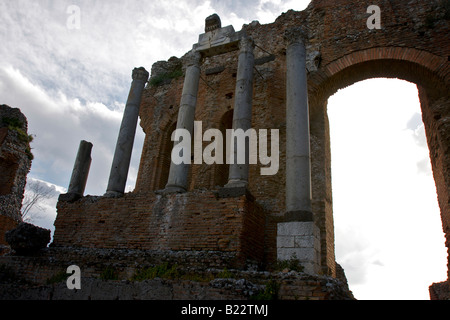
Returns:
(15, 161)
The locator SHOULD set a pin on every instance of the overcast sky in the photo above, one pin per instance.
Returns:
(72, 85)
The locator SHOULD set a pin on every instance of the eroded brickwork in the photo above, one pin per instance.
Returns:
(15, 163)
(200, 276)
(198, 221)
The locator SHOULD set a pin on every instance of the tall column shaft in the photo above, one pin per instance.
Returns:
(179, 173)
(81, 168)
(122, 156)
(242, 114)
(298, 237)
(298, 161)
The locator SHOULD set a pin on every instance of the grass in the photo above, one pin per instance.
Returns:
(160, 271)
(14, 124)
(292, 264)
(269, 293)
(160, 79)
(59, 277)
(109, 274)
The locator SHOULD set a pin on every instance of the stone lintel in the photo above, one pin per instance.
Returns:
(218, 41)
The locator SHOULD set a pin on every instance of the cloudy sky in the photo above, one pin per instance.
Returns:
(72, 84)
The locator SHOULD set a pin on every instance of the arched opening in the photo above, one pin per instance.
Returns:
(166, 156)
(221, 170)
(388, 231)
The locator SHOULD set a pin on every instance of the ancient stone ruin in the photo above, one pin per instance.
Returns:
(15, 163)
(230, 216)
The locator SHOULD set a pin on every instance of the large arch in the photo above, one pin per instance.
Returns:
(427, 71)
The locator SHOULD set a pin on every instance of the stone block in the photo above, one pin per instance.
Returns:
(27, 238)
(218, 41)
(297, 229)
(300, 240)
(305, 242)
(286, 242)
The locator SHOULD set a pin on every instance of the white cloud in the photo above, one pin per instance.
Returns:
(59, 124)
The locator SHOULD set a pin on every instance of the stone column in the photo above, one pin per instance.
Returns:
(298, 237)
(80, 173)
(179, 174)
(298, 161)
(242, 114)
(122, 156)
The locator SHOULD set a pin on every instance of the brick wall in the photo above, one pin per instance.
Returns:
(196, 221)
(6, 224)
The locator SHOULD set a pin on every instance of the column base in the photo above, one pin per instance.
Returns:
(234, 192)
(169, 189)
(113, 194)
(301, 241)
(69, 197)
(236, 184)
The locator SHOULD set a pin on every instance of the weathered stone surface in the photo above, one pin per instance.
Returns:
(301, 241)
(212, 23)
(15, 163)
(440, 291)
(195, 280)
(27, 238)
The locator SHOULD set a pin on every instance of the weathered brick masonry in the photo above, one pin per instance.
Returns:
(199, 221)
(15, 163)
(204, 279)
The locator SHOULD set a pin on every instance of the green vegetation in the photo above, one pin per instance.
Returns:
(109, 274)
(225, 274)
(15, 125)
(269, 293)
(59, 277)
(292, 264)
(161, 271)
(161, 78)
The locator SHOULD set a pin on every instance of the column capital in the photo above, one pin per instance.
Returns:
(193, 58)
(246, 44)
(140, 74)
(296, 35)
